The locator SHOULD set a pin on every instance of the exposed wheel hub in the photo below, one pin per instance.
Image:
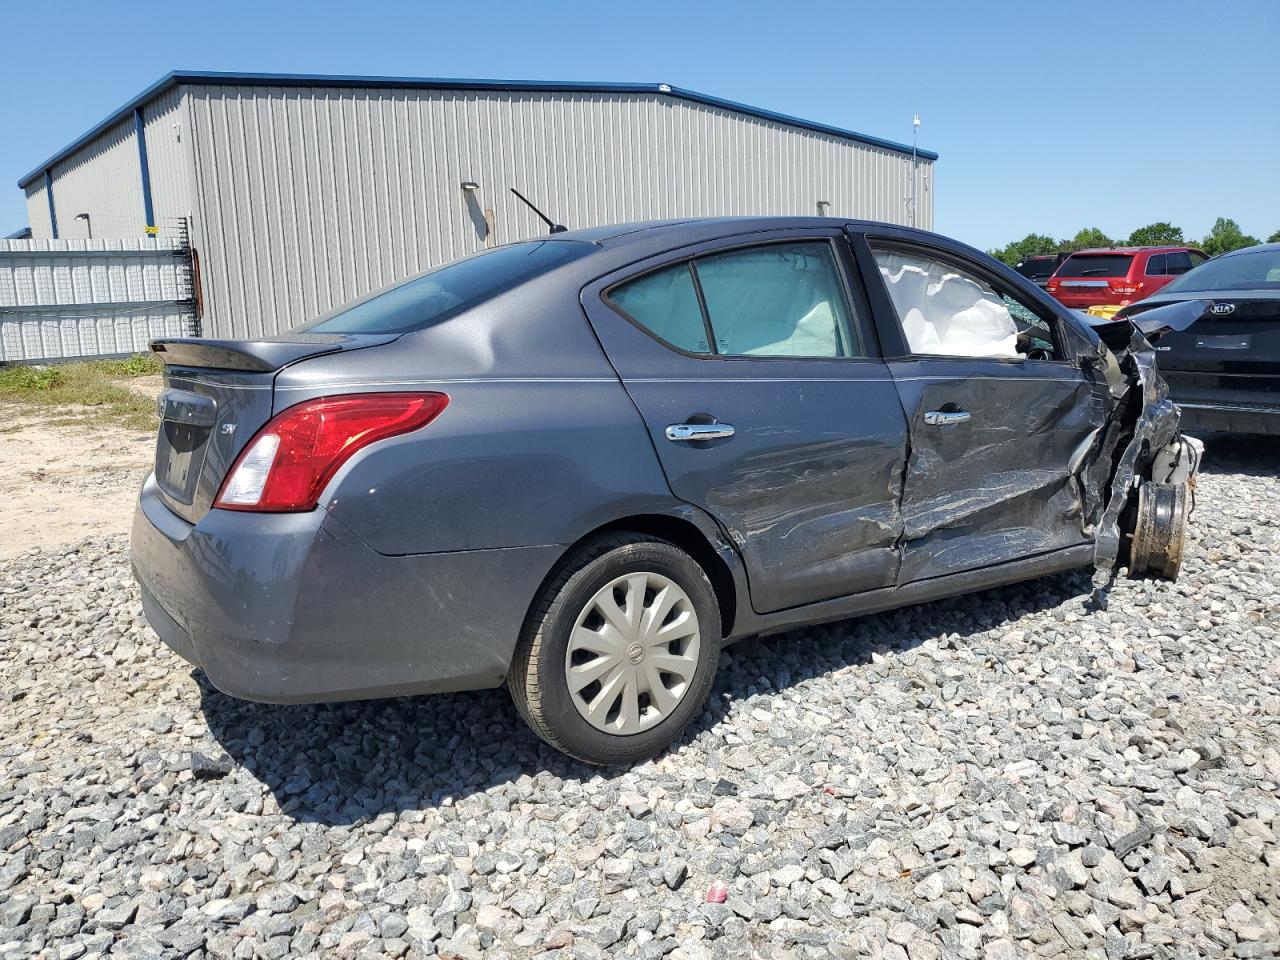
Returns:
(1159, 529)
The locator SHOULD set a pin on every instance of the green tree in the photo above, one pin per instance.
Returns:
(1029, 246)
(1274, 238)
(1160, 234)
(1087, 238)
(1225, 236)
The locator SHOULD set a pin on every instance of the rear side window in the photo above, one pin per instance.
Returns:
(665, 303)
(1176, 264)
(1156, 265)
(447, 291)
(1096, 265)
(783, 300)
(774, 300)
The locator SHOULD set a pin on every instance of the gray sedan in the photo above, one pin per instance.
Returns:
(581, 465)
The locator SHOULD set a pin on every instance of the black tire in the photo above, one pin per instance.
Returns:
(536, 679)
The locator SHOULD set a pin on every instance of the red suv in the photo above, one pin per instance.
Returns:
(1119, 276)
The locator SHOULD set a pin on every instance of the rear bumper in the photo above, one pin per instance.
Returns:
(1208, 416)
(289, 608)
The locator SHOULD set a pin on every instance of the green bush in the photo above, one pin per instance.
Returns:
(21, 380)
(138, 365)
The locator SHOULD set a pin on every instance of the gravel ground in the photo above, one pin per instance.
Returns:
(1013, 773)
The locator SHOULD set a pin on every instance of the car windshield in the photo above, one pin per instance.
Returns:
(1095, 265)
(447, 291)
(1245, 270)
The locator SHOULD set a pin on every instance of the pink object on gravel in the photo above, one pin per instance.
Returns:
(718, 892)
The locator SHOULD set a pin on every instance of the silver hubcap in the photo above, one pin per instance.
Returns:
(633, 653)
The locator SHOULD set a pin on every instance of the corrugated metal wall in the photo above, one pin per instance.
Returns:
(38, 210)
(101, 179)
(168, 160)
(309, 197)
(82, 298)
(104, 179)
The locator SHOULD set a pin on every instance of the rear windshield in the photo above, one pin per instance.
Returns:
(1247, 270)
(447, 291)
(1037, 267)
(1095, 265)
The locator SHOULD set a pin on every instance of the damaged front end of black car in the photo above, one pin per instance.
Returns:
(1140, 460)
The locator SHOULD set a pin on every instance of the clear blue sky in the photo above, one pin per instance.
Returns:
(1048, 116)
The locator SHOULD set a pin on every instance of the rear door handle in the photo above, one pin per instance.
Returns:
(685, 432)
(945, 418)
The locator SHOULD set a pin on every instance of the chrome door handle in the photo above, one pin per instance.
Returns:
(684, 432)
(945, 418)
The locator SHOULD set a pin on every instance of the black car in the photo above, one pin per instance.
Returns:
(1040, 268)
(1224, 370)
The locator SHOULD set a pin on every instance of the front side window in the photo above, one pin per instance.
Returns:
(947, 311)
(773, 300)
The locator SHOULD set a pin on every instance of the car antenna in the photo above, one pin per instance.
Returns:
(555, 227)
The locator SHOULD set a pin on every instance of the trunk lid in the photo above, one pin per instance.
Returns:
(1228, 353)
(1235, 335)
(217, 395)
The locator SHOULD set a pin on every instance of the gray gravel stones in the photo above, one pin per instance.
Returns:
(1015, 773)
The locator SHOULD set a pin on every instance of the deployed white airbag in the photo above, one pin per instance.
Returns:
(945, 313)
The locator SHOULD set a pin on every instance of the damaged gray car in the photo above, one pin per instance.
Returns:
(581, 465)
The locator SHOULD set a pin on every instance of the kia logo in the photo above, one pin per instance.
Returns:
(1222, 309)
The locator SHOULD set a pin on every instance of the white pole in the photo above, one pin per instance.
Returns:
(915, 134)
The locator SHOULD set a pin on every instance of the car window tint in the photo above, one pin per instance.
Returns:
(1196, 258)
(1177, 264)
(665, 303)
(447, 291)
(1156, 265)
(1096, 265)
(947, 311)
(779, 300)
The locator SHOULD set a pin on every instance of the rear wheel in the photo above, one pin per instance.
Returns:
(619, 651)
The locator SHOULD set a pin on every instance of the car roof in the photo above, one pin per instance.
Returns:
(1256, 248)
(697, 228)
(1132, 250)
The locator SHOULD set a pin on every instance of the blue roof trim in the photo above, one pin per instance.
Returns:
(219, 78)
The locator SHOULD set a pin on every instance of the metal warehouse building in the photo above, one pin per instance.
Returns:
(302, 192)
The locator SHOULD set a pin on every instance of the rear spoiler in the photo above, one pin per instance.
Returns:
(257, 356)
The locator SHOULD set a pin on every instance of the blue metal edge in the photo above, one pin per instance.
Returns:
(140, 133)
(221, 78)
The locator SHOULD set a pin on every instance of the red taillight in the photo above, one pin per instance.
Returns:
(286, 466)
(1124, 287)
(1054, 282)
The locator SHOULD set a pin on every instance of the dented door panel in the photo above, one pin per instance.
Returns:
(1004, 483)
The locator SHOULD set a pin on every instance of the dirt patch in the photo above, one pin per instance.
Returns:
(149, 387)
(59, 484)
